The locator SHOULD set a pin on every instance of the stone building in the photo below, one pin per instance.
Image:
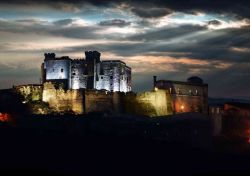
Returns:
(190, 96)
(57, 70)
(88, 73)
(115, 76)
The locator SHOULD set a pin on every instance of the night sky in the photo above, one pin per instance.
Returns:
(173, 39)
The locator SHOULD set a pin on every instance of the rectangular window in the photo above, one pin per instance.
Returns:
(218, 110)
(61, 70)
(212, 110)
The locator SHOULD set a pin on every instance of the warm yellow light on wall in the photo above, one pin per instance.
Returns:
(156, 88)
(182, 107)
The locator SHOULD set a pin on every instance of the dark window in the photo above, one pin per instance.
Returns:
(61, 70)
(53, 70)
(111, 77)
(101, 77)
(74, 73)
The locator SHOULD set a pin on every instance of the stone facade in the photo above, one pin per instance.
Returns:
(190, 96)
(57, 69)
(114, 76)
(89, 73)
(79, 74)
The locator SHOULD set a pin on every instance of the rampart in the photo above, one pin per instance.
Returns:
(151, 103)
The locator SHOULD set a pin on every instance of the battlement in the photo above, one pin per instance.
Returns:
(49, 56)
(90, 55)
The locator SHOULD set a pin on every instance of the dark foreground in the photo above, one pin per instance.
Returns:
(106, 145)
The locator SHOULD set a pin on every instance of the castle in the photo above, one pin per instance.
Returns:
(91, 73)
(88, 85)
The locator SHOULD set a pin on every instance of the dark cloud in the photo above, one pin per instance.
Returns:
(167, 33)
(214, 22)
(56, 28)
(239, 7)
(115, 22)
(63, 22)
(154, 12)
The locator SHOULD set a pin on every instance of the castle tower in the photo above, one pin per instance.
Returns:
(57, 70)
(93, 67)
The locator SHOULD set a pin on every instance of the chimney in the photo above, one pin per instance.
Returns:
(155, 77)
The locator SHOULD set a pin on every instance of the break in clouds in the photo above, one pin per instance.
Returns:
(170, 39)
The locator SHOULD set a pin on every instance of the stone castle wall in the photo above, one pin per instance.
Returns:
(64, 101)
(152, 103)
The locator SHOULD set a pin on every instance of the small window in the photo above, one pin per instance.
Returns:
(212, 110)
(111, 77)
(218, 110)
(74, 73)
(61, 70)
(53, 69)
(101, 77)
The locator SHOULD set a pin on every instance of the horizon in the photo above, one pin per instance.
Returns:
(173, 40)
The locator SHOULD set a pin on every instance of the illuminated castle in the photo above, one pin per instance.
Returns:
(82, 86)
(88, 73)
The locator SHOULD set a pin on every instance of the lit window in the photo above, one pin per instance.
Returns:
(196, 91)
(170, 90)
(218, 110)
(212, 110)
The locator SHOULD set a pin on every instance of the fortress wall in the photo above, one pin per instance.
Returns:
(151, 103)
(98, 101)
(64, 101)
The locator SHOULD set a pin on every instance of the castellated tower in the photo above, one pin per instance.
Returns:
(91, 73)
(57, 70)
(93, 67)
